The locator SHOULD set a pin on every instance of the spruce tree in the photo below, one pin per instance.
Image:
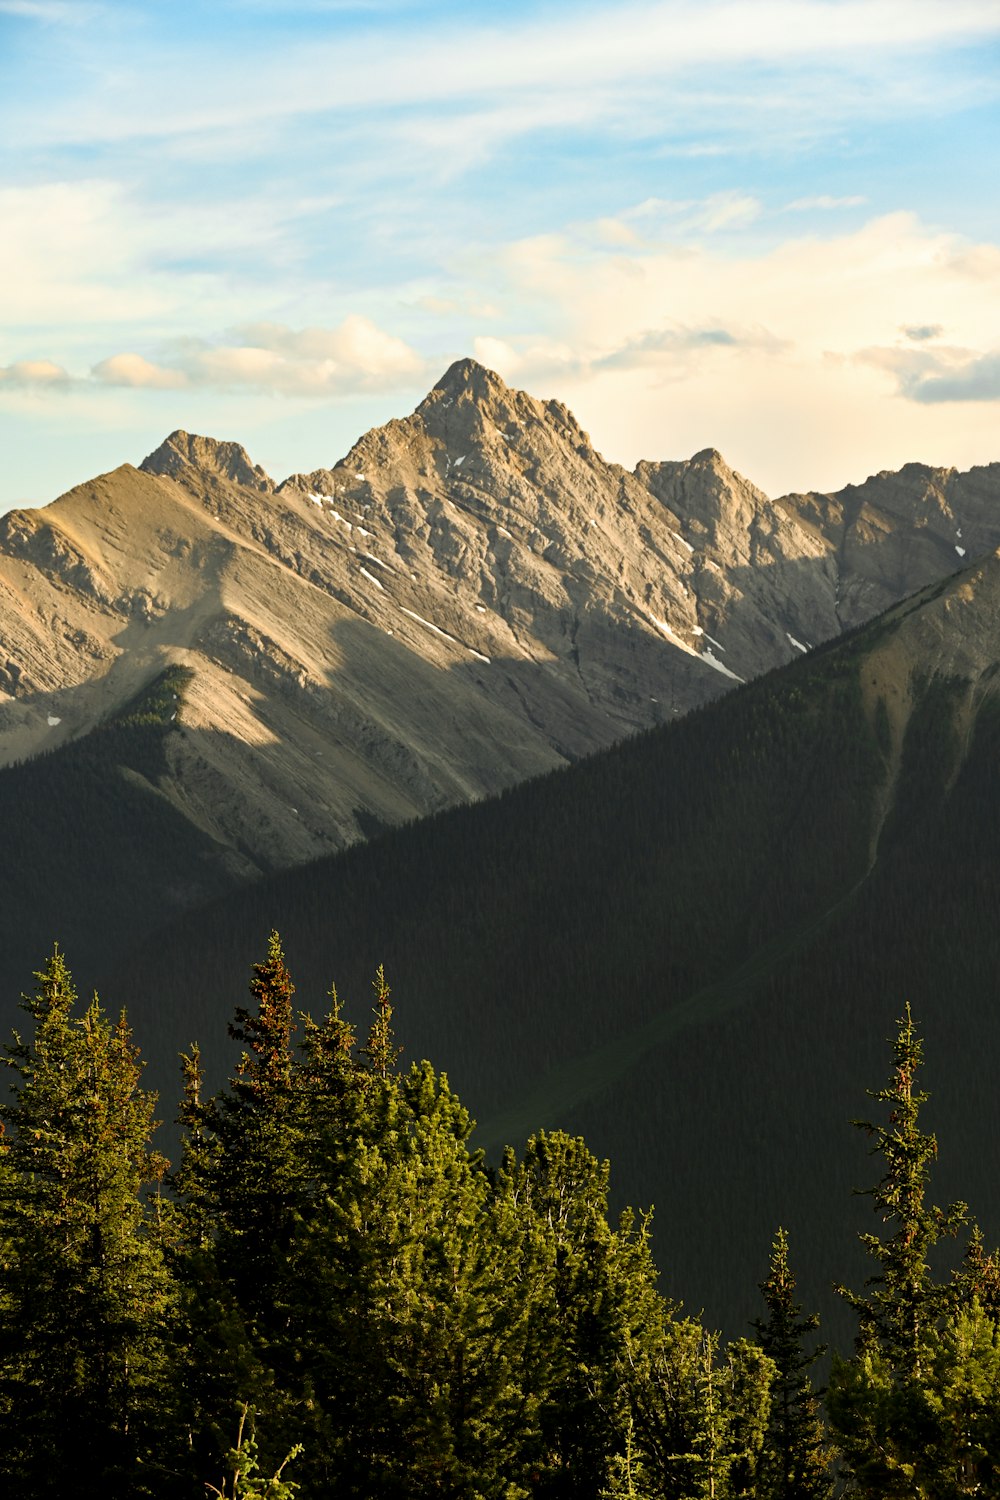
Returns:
(903, 1303)
(978, 1279)
(599, 1308)
(255, 1181)
(240, 1188)
(893, 1429)
(793, 1466)
(88, 1302)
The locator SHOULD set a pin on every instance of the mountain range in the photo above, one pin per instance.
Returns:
(470, 597)
(688, 940)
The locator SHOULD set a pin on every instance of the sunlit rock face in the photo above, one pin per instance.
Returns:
(472, 596)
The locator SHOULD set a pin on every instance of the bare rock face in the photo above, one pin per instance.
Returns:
(471, 596)
(898, 532)
(193, 459)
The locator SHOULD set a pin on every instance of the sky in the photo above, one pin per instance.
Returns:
(770, 227)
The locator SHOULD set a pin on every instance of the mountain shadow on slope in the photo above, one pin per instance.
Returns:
(691, 947)
(95, 855)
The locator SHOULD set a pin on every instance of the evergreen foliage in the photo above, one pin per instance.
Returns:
(795, 1466)
(908, 1411)
(340, 1280)
(903, 1301)
(88, 1300)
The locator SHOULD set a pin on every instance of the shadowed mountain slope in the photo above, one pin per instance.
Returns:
(690, 947)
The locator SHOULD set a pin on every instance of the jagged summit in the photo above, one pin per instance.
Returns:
(468, 377)
(182, 451)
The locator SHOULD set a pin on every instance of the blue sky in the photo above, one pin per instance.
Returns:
(769, 226)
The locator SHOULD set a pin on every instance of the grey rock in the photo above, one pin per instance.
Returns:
(471, 596)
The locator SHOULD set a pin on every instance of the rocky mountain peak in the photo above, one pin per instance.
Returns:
(471, 596)
(706, 493)
(183, 451)
(466, 377)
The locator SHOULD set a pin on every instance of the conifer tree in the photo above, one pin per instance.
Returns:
(88, 1299)
(903, 1302)
(241, 1480)
(978, 1279)
(885, 1406)
(700, 1412)
(256, 1176)
(411, 1299)
(240, 1187)
(793, 1466)
(601, 1305)
(380, 1049)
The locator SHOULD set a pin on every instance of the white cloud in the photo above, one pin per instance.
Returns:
(726, 211)
(273, 358)
(460, 306)
(356, 345)
(655, 353)
(932, 377)
(53, 12)
(680, 347)
(132, 370)
(39, 374)
(976, 380)
(529, 358)
(88, 251)
(809, 363)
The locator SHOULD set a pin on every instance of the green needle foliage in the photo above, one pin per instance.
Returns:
(88, 1300)
(900, 1412)
(903, 1302)
(794, 1466)
(342, 1281)
(242, 1481)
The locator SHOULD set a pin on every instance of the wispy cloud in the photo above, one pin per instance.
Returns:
(208, 206)
(977, 380)
(823, 202)
(788, 396)
(932, 377)
(623, 48)
(656, 348)
(53, 12)
(269, 357)
(138, 373)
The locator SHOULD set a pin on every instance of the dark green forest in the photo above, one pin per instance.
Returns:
(686, 949)
(332, 1292)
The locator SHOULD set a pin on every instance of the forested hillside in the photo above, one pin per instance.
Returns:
(688, 948)
(331, 1293)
